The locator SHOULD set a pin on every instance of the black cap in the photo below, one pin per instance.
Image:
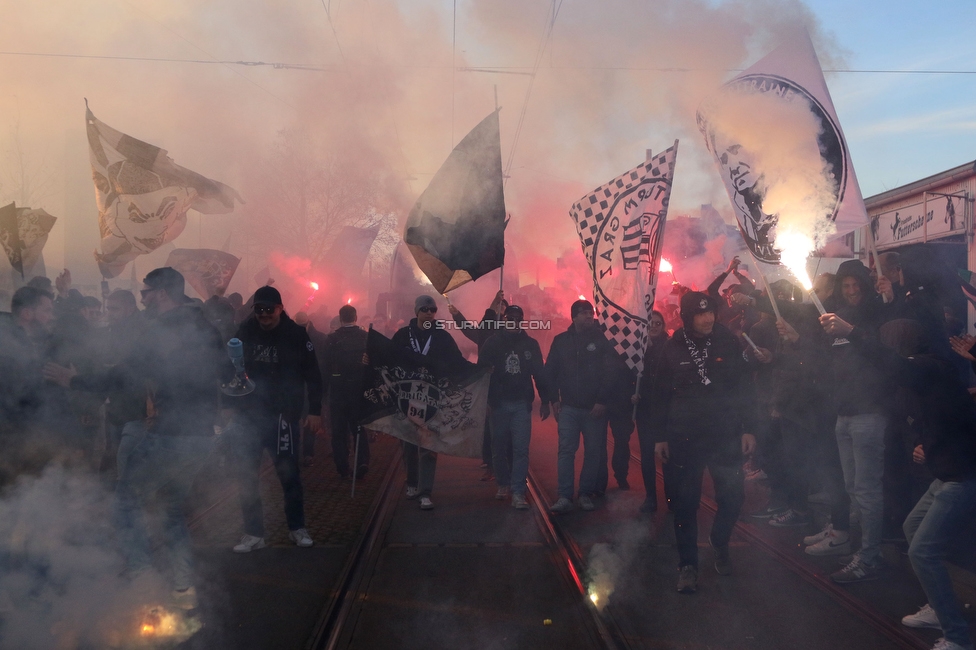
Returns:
(580, 306)
(515, 312)
(696, 302)
(168, 279)
(267, 296)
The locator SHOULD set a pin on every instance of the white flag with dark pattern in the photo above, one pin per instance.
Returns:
(621, 228)
(143, 196)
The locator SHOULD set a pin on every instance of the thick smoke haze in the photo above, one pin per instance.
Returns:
(614, 79)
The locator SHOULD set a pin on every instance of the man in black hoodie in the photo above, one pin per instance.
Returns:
(579, 369)
(703, 392)
(280, 358)
(859, 392)
(343, 369)
(947, 446)
(515, 359)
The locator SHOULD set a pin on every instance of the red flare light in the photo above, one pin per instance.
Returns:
(349, 302)
(314, 286)
(666, 266)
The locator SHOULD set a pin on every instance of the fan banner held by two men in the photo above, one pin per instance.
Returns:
(621, 229)
(456, 230)
(23, 233)
(782, 154)
(407, 396)
(208, 271)
(143, 196)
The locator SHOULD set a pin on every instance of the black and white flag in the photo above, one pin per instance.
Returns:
(621, 229)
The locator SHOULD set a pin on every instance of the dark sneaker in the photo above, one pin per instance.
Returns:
(623, 484)
(687, 579)
(502, 493)
(586, 503)
(770, 511)
(561, 505)
(723, 565)
(790, 519)
(924, 617)
(857, 571)
(649, 505)
(519, 502)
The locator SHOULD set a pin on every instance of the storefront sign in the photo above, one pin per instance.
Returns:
(945, 216)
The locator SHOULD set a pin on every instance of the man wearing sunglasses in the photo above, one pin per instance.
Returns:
(423, 337)
(280, 359)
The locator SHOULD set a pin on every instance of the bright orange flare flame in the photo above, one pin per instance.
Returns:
(148, 629)
(666, 266)
(314, 285)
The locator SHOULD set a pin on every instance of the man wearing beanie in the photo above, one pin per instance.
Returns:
(703, 393)
(579, 370)
(280, 358)
(422, 336)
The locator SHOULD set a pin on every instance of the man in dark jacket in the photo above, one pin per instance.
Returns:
(947, 446)
(178, 364)
(578, 370)
(703, 392)
(422, 336)
(343, 370)
(515, 359)
(859, 391)
(280, 359)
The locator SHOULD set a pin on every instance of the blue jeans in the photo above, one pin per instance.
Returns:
(574, 421)
(511, 428)
(937, 518)
(161, 468)
(860, 442)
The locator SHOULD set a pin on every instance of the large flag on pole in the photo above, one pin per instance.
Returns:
(456, 230)
(408, 397)
(143, 196)
(350, 249)
(621, 228)
(208, 271)
(23, 233)
(782, 154)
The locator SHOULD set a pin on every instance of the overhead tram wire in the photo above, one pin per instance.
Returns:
(520, 70)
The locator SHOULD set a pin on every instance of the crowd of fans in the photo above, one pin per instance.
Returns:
(864, 409)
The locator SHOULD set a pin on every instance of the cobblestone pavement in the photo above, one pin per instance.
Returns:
(333, 517)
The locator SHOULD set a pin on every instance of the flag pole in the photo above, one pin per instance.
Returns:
(501, 269)
(769, 292)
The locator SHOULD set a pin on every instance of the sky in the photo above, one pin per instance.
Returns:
(389, 97)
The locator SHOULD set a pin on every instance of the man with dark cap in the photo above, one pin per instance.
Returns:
(423, 337)
(178, 364)
(578, 370)
(515, 359)
(343, 371)
(703, 393)
(280, 359)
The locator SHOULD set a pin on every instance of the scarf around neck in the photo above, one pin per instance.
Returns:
(699, 356)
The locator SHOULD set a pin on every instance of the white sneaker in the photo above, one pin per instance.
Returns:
(412, 492)
(249, 543)
(426, 503)
(946, 644)
(925, 617)
(819, 537)
(502, 493)
(836, 542)
(301, 538)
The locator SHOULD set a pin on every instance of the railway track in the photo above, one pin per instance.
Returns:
(336, 626)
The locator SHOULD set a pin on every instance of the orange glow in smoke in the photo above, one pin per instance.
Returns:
(147, 629)
(314, 286)
(666, 266)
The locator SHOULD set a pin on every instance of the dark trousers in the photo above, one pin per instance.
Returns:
(256, 435)
(689, 469)
(344, 414)
(649, 470)
(788, 463)
(621, 428)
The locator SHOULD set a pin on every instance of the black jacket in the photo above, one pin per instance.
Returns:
(516, 359)
(948, 429)
(579, 368)
(436, 344)
(283, 365)
(178, 364)
(342, 357)
(699, 416)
